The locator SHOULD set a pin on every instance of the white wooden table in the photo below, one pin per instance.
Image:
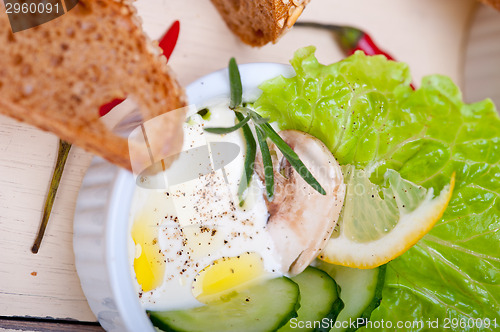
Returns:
(427, 34)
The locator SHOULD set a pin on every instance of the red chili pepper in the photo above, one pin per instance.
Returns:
(353, 39)
(167, 44)
(350, 39)
(106, 108)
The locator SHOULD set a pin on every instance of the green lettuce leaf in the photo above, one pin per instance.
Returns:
(364, 110)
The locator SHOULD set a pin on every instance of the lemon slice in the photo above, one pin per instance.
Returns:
(378, 224)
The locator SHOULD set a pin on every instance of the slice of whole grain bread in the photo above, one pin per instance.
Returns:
(56, 76)
(258, 22)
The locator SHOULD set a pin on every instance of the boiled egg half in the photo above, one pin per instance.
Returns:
(193, 242)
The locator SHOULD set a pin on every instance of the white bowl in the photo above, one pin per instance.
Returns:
(101, 225)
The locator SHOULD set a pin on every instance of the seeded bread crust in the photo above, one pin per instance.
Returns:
(57, 75)
(258, 22)
(492, 3)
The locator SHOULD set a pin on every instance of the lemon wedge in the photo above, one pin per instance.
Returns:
(378, 224)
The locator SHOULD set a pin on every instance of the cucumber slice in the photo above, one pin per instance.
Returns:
(318, 300)
(264, 306)
(361, 292)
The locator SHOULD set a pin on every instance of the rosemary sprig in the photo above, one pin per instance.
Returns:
(264, 130)
(251, 147)
(62, 155)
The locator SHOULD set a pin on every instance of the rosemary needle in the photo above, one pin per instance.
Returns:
(251, 151)
(235, 84)
(224, 130)
(267, 162)
(62, 155)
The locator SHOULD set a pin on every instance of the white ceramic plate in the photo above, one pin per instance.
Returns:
(101, 225)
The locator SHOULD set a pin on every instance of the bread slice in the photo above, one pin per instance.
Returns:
(56, 76)
(492, 3)
(258, 22)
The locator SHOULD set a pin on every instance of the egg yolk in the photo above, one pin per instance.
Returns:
(149, 265)
(226, 275)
